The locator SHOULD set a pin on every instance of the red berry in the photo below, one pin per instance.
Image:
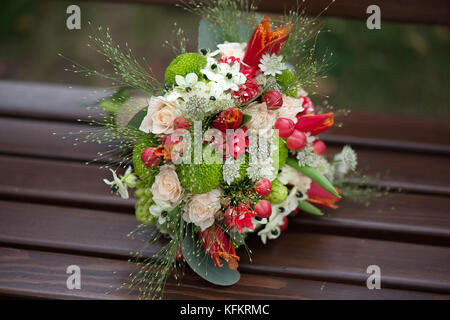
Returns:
(263, 187)
(181, 123)
(319, 147)
(263, 209)
(273, 99)
(285, 224)
(285, 127)
(149, 158)
(296, 141)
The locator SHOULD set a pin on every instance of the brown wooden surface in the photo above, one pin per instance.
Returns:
(415, 11)
(55, 211)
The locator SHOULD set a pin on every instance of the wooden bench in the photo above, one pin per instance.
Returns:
(55, 211)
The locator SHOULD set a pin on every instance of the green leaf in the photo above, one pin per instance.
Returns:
(209, 36)
(315, 176)
(245, 118)
(203, 265)
(309, 208)
(136, 121)
(237, 237)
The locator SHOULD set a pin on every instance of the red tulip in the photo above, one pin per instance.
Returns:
(285, 127)
(318, 195)
(296, 141)
(219, 246)
(315, 123)
(228, 119)
(263, 209)
(263, 187)
(319, 147)
(150, 158)
(264, 40)
(273, 99)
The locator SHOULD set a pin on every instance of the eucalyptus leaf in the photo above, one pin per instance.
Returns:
(315, 176)
(203, 265)
(136, 121)
(309, 208)
(209, 36)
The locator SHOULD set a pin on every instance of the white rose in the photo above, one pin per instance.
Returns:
(290, 108)
(232, 49)
(262, 118)
(160, 116)
(201, 208)
(167, 187)
(291, 176)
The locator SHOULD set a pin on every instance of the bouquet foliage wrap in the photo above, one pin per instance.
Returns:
(226, 147)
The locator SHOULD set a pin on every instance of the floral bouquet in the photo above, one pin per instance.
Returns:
(226, 147)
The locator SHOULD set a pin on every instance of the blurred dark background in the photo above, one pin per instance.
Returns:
(402, 68)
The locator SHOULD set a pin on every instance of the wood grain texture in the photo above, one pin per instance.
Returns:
(294, 254)
(29, 273)
(387, 168)
(416, 11)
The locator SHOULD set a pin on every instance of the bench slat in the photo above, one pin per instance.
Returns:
(302, 255)
(30, 273)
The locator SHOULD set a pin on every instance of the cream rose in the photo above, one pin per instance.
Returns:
(232, 49)
(291, 107)
(262, 118)
(160, 116)
(201, 208)
(167, 187)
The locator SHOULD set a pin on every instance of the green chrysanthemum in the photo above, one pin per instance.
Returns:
(183, 64)
(287, 82)
(279, 192)
(145, 174)
(200, 178)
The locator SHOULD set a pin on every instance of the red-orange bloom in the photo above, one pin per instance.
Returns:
(228, 119)
(265, 41)
(315, 123)
(318, 195)
(219, 246)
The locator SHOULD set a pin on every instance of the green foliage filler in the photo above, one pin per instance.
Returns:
(183, 64)
(287, 82)
(143, 203)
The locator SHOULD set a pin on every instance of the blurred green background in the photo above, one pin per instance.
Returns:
(401, 68)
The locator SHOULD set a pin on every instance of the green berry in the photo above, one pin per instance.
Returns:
(145, 174)
(200, 178)
(279, 192)
(142, 206)
(287, 82)
(183, 64)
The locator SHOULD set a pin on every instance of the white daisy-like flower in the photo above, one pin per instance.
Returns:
(160, 210)
(226, 75)
(187, 82)
(120, 185)
(272, 64)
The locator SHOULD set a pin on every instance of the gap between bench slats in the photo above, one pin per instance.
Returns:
(29, 273)
(35, 139)
(333, 258)
(410, 217)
